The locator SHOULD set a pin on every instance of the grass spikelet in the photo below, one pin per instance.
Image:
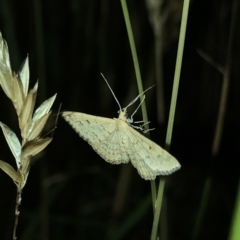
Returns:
(31, 125)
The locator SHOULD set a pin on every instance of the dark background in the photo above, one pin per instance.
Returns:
(71, 192)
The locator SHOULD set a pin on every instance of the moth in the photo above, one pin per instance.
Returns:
(117, 141)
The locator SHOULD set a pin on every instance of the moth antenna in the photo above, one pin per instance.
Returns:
(137, 108)
(120, 108)
(135, 99)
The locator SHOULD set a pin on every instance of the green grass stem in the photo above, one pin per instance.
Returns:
(177, 72)
(204, 200)
(135, 58)
(139, 79)
(172, 112)
(158, 206)
(235, 229)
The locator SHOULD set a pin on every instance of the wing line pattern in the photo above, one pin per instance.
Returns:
(101, 133)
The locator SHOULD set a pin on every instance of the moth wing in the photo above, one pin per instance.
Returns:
(101, 133)
(143, 169)
(111, 149)
(149, 158)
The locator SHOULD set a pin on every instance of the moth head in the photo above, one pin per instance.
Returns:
(123, 114)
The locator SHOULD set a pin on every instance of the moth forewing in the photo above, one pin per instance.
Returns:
(90, 128)
(149, 158)
(100, 133)
(156, 157)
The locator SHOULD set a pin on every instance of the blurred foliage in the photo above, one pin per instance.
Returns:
(71, 192)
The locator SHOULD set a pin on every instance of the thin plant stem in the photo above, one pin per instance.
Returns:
(139, 80)
(18, 202)
(135, 58)
(158, 206)
(225, 84)
(172, 112)
(204, 200)
(235, 230)
(177, 72)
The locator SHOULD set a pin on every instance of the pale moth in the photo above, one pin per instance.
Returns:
(116, 141)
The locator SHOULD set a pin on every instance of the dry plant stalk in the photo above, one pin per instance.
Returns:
(15, 86)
